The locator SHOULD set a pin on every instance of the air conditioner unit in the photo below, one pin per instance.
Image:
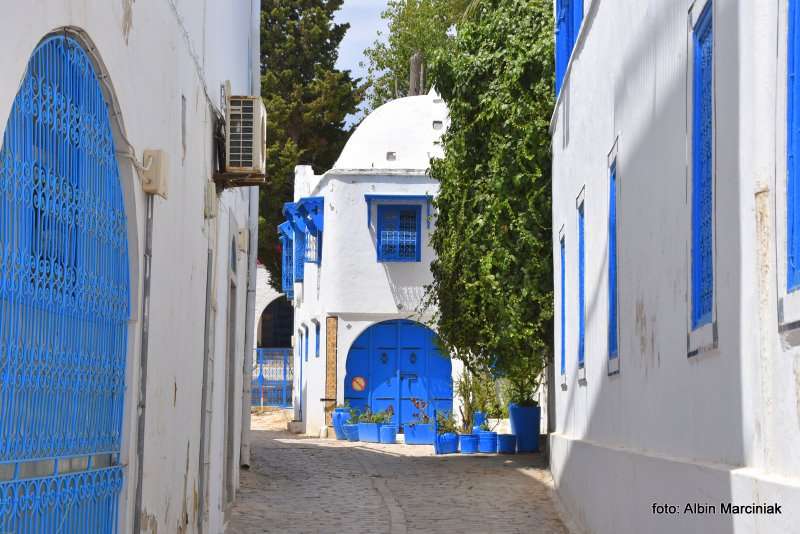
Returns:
(246, 135)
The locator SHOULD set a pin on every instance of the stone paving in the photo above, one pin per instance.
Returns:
(320, 485)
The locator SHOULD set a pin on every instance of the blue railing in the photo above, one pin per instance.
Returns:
(272, 377)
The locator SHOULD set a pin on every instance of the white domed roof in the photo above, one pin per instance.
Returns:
(401, 134)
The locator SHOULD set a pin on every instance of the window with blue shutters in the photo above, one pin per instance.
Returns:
(581, 285)
(613, 351)
(569, 16)
(793, 151)
(399, 233)
(287, 259)
(702, 255)
(563, 307)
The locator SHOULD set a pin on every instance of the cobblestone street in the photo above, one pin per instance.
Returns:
(315, 485)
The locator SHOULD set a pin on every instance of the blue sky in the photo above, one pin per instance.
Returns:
(365, 20)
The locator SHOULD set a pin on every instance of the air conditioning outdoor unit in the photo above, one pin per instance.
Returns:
(246, 135)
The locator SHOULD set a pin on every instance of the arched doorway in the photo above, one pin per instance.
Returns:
(64, 300)
(273, 372)
(395, 363)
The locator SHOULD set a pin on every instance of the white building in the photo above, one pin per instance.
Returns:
(674, 212)
(127, 326)
(356, 260)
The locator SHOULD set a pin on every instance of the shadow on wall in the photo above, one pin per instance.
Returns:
(604, 487)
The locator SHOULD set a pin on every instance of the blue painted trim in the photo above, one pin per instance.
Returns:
(581, 285)
(428, 199)
(317, 330)
(702, 171)
(793, 151)
(563, 307)
(569, 17)
(312, 211)
(613, 350)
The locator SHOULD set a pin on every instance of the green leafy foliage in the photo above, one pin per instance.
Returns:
(414, 26)
(492, 285)
(446, 423)
(307, 100)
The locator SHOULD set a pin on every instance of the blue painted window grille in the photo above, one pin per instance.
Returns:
(311, 211)
(569, 16)
(299, 255)
(399, 232)
(563, 308)
(581, 286)
(287, 260)
(64, 300)
(702, 172)
(316, 339)
(613, 350)
(793, 151)
(313, 246)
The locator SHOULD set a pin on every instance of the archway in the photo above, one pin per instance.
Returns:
(276, 324)
(395, 363)
(64, 299)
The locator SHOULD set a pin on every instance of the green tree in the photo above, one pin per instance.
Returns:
(414, 26)
(493, 273)
(307, 100)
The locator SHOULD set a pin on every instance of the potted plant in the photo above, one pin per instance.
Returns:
(339, 417)
(487, 438)
(387, 431)
(351, 427)
(420, 432)
(523, 409)
(369, 426)
(446, 437)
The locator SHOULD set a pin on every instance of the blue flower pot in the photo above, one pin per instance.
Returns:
(477, 429)
(525, 421)
(506, 444)
(351, 431)
(469, 443)
(339, 417)
(487, 442)
(369, 432)
(419, 433)
(447, 443)
(388, 434)
(478, 418)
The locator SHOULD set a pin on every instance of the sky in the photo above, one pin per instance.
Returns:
(365, 21)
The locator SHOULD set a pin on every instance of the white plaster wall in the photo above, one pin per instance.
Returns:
(717, 426)
(150, 67)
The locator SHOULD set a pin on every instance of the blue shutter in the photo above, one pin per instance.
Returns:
(299, 255)
(569, 16)
(793, 154)
(581, 287)
(612, 263)
(563, 307)
(702, 172)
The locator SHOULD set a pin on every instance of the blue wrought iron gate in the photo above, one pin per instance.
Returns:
(272, 378)
(64, 301)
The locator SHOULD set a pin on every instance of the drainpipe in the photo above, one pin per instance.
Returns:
(142, 403)
(252, 249)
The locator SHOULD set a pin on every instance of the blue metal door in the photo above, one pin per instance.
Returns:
(398, 364)
(64, 301)
(272, 378)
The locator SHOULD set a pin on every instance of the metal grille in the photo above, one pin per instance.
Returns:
(312, 247)
(612, 264)
(64, 301)
(287, 267)
(272, 377)
(398, 233)
(581, 286)
(793, 152)
(702, 179)
(299, 255)
(241, 128)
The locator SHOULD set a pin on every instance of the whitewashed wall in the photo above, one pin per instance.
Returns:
(716, 427)
(350, 283)
(146, 54)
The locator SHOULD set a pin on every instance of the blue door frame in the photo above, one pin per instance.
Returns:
(272, 378)
(395, 364)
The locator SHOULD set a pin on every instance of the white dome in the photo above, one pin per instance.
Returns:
(401, 134)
